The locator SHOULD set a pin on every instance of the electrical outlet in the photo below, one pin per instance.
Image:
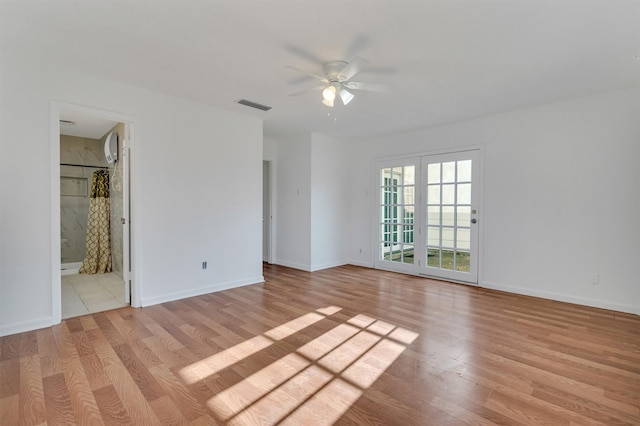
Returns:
(204, 265)
(595, 279)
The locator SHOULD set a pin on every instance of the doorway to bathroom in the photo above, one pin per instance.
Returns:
(94, 184)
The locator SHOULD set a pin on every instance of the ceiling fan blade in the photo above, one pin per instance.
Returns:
(346, 96)
(302, 92)
(352, 68)
(319, 77)
(356, 85)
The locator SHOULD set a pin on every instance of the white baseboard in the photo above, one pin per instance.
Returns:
(360, 263)
(199, 291)
(310, 268)
(31, 325)
(328, 265)
(293, 265)
(564, 298)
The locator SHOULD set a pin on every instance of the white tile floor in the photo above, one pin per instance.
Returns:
(87, 294)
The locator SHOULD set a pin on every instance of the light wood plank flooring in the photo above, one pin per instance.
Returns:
(347, 345)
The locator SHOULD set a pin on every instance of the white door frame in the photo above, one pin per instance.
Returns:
(131, 123)
(271, 219)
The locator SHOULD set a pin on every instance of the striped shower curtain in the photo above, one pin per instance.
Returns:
(97, 259)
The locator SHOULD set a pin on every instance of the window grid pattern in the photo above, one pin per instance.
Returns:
(448, 216)
(397, 211)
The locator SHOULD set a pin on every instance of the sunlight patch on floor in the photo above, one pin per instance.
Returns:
(316, 383)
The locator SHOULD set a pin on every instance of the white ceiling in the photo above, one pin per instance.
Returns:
(445, 61)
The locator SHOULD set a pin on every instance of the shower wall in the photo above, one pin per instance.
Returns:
(75, 186)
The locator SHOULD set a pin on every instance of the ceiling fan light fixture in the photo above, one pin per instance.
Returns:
(329, 94)
(346, 96)
(328, 102)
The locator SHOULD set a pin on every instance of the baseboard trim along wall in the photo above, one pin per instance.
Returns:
(26, 326)
(327, 265)
(293, 265)
(564, 298)
(199, 291)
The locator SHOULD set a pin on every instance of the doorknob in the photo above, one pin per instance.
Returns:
(474, 220)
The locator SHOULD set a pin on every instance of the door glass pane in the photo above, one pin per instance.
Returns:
(433, 257)
(433, 215)
(396, 175)
(433, 236)
(433, 194)
(448, 194)
(409, 175)
(463, 261)
(385, 249)
(385, 232)
(385, 176)
(395, 233)
(448, 218)
(463, 217)
(447, 237)
(449, 172)
(407, 234)
(433, 173)
(385, 213)
(407, 254)
(464, 171)
(409, 214)
(409, 195)
(464, 193)
(447, 259)
(463, 238)
(385, 195)
(395, 214)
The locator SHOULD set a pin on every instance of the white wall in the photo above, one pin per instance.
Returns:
(561, 197)
(269, 148)
(329, 202)
(197, 190)
(312, 202)
(293, 174)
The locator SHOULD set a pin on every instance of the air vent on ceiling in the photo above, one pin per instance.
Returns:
(254, 105)
(67, 123)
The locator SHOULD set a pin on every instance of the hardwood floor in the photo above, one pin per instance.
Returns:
(347, 345)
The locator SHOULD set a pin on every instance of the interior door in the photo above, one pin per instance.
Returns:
(450, 195)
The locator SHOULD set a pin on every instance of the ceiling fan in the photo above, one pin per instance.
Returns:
(336, 76)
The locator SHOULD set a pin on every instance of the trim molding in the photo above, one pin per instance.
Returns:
(293, 265)
(328, 265)
(21, 327)
(602, 304)
(199, 291)
(360, 263)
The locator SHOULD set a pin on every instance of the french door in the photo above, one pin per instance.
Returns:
(428, 210)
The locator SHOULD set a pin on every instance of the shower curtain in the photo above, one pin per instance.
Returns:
(97, 259)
